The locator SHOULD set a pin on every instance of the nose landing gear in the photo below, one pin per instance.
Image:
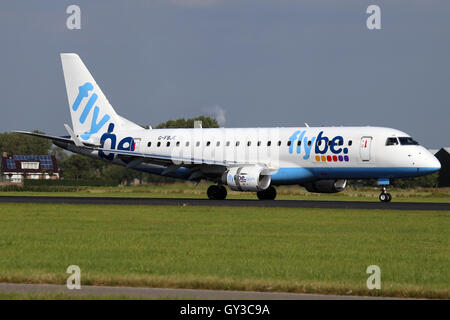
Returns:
(385, 196)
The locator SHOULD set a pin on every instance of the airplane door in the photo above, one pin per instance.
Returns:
(364, 149)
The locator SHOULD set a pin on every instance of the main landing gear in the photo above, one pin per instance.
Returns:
(269, 194)
(385, 196)
(217, 192)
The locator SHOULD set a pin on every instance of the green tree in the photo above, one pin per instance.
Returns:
(79, 167)
(14, 143)
(207, 122)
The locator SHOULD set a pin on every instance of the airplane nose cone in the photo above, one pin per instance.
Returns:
(433, 164)
(436, 163)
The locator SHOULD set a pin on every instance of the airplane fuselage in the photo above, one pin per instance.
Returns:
(294, 155)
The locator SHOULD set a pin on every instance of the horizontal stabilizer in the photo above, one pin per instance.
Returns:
(74, 137)
(65, 139)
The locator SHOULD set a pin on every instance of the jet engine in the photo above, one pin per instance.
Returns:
(326, 186)
(248, 178)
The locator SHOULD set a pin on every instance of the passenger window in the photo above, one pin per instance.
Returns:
(197, 144)
(259, 143)
(249, 143)
(279, 143)
(187, 143)
(237, 143)
(289, 143)
(309, 143)
(158, 144)
(149, 144)
(178, 143)
(168, 144)
(391, 141)
(218, 143)
(299, 143)
(350, 143)
(269, 143)
(208, 143)
(228, 143)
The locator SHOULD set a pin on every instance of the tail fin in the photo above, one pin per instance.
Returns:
(90, 111)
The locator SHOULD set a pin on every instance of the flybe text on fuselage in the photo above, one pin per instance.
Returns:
(321, 145)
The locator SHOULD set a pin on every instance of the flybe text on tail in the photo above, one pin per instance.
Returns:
(83, 92)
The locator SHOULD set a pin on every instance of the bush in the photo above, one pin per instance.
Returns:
(18, 188)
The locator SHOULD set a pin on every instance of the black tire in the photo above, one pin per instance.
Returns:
(222, 192)
(383, 197)
(216, 192)
(213, 192)
(389, 197)
(269, 194)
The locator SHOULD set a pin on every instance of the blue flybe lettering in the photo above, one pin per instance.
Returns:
(83, 92)
(308, 147)
(292, 140)
(299, 145)
(126, 144)
(88, 108)
(321, 144)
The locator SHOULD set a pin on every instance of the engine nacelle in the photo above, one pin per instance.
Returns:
(326, 186)
(248, 178)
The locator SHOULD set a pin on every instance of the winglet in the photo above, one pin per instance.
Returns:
(75, 139)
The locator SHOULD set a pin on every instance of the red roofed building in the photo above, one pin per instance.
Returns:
(16, 168)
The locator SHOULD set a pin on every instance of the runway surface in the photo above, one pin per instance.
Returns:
(158, 293)
(232, 203)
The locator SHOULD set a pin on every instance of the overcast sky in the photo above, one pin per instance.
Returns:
(257, 63)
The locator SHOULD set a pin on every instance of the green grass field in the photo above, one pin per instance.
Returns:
(268, 249)
(61, 296)
(190, 190)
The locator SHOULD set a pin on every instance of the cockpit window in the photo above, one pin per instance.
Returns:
(405, 141)
(391, 141)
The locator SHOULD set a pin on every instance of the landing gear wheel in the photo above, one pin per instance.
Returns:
(389, 197)
(385, 196)
(269, 194)
(216, 192)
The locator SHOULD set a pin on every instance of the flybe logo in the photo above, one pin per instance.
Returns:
(96, 125)
(325, 149)
(126, 144)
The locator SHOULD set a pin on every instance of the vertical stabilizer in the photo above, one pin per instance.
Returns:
(90, 111)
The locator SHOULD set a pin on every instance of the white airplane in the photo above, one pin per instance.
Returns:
(320, 159)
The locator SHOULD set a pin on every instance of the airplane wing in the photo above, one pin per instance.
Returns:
(182, 161)
(200, 168)
(66, 139)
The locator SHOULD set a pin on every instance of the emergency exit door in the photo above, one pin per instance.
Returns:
(365, 147)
